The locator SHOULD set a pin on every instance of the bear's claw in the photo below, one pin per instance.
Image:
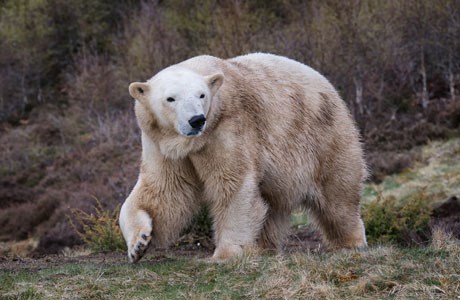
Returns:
(139, 248)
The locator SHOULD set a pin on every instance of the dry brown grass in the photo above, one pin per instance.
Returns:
(22, 248)
(381, 272)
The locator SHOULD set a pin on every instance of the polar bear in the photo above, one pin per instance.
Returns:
(252, 137)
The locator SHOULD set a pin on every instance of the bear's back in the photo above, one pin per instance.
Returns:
(283, 70)
(300, 118)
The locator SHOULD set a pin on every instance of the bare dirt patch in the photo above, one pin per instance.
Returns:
(300, 240)
(446, 216)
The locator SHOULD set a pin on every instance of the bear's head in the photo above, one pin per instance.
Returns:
(178, 98)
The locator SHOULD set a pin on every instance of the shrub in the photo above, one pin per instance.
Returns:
(202, 223)
(99, 230)
(199, 232)
(405, 221)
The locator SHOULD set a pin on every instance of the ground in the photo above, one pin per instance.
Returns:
(377, 273)
(303, 271)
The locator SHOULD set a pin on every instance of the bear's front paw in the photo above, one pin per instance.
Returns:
(139, 247)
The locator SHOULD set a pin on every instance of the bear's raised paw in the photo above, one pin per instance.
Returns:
(139, 248)
(136, 226)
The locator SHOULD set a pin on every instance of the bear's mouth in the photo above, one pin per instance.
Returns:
(195, 132)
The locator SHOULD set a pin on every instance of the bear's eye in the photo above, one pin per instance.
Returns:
(202, 96)
(170, 99)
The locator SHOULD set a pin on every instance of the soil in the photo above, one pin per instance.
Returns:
(304, 239)
(447, 216)
(300, 240)
(50, 261)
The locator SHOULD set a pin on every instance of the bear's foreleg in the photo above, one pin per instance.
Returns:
(135, 224)
(238, 219)
(157, 212)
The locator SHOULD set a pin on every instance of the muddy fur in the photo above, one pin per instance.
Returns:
(277, 138)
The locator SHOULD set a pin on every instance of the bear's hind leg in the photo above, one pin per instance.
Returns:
(275, 229)
(338, 217)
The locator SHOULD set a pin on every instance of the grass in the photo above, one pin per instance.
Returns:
(378, 273)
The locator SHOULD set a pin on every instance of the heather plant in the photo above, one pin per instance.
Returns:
(99, 230)
(405, 222)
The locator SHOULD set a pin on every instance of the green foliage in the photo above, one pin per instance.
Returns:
(200, 230)
(100, 230)
(400, 221)
(202, 223)
(299, 219)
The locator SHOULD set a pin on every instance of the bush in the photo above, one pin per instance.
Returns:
(99, 230)
(199, 233)
(202, 223)
(405, 222)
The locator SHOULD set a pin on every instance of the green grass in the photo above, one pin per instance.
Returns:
(380, 272)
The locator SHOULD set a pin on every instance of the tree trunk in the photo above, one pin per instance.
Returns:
(451, 79)
(424, 100)
(359, 95)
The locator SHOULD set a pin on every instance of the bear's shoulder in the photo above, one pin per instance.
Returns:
(277, 63)
(203, 64)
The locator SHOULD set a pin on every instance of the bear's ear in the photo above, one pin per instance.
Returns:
(215, 82)
(139, 91)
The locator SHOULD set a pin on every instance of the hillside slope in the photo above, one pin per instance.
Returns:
(436, 171)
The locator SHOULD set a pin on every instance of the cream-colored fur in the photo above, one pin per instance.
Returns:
(277, 137)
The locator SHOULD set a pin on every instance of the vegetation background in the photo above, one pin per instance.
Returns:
(68, 136)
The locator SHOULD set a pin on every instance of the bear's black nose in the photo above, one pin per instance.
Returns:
(197, 121)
